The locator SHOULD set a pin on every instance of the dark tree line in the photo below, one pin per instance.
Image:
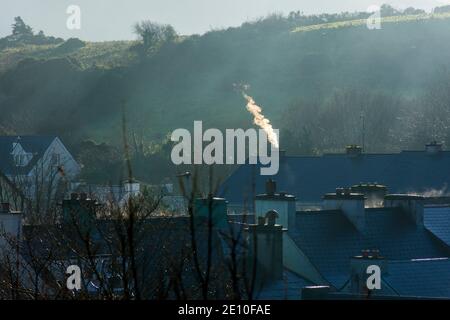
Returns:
(380, 122)
(21, 34)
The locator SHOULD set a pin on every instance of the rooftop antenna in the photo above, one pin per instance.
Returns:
(363, 129)
(185, 183)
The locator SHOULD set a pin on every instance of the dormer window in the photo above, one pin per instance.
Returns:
(21, 158)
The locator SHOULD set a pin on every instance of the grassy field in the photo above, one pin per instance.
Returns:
(361, 22)
(101, 54)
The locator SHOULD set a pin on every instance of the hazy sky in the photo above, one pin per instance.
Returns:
(112, 19)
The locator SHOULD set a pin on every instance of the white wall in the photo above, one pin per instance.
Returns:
(352, 208)
(71, 167)
(284, 209)
(295, 260)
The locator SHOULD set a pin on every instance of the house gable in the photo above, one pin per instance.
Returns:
(57, 155)
(32, 153)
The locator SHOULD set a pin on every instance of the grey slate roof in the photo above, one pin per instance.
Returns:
(437, 221)
(428, 278)
(330, 240)
(309, 178)
(32, 144)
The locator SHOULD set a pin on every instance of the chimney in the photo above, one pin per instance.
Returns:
(10, 223)
(315, 293)
(351, 204)
(412, 205)
(281, 202)
(79, 209)
(266, 238)
(5, 207)
(353, 150)
(282, 154)
(83, 196)
(359, 270)
(373, 192)
(217, 208)
(185, 183)
(433, 148)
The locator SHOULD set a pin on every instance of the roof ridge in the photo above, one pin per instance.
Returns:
(418, 260)
(329, 211)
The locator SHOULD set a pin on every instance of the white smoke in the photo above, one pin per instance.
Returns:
(431, 193)
(260, 120)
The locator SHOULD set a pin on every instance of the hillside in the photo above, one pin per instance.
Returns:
(102, 54)
(79, 94)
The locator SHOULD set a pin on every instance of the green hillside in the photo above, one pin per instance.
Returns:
(384, 20)
(303, 74)
(103, 54)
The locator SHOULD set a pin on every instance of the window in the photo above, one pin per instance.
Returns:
(56, 159)
(19, 160)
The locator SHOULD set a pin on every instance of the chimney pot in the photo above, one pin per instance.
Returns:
(365, 253)
(433, 147)
(353, 150)
(271, 187)
(261, 221)
(376, 253)
(271, 217)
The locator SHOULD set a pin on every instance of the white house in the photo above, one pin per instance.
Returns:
(33, 161)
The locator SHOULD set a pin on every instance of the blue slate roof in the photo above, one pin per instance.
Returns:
(287, 289)
(309, 178)
(437, 221)
(420, 278)
(330, 240)
(160, 242)
(37, 145)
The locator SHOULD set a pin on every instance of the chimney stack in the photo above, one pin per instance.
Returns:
(373, 192)
(79, 208)
(412, 205)
(10, 223)
(5, 207)
(359, 270)
(266, 242)
(433, 148)
(83, 196)
(315, 292)
(353, 150)
(351, 204)
(216, 208)
(282, 202)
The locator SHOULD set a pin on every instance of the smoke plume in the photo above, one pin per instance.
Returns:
(260, 120)
(430, 193)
